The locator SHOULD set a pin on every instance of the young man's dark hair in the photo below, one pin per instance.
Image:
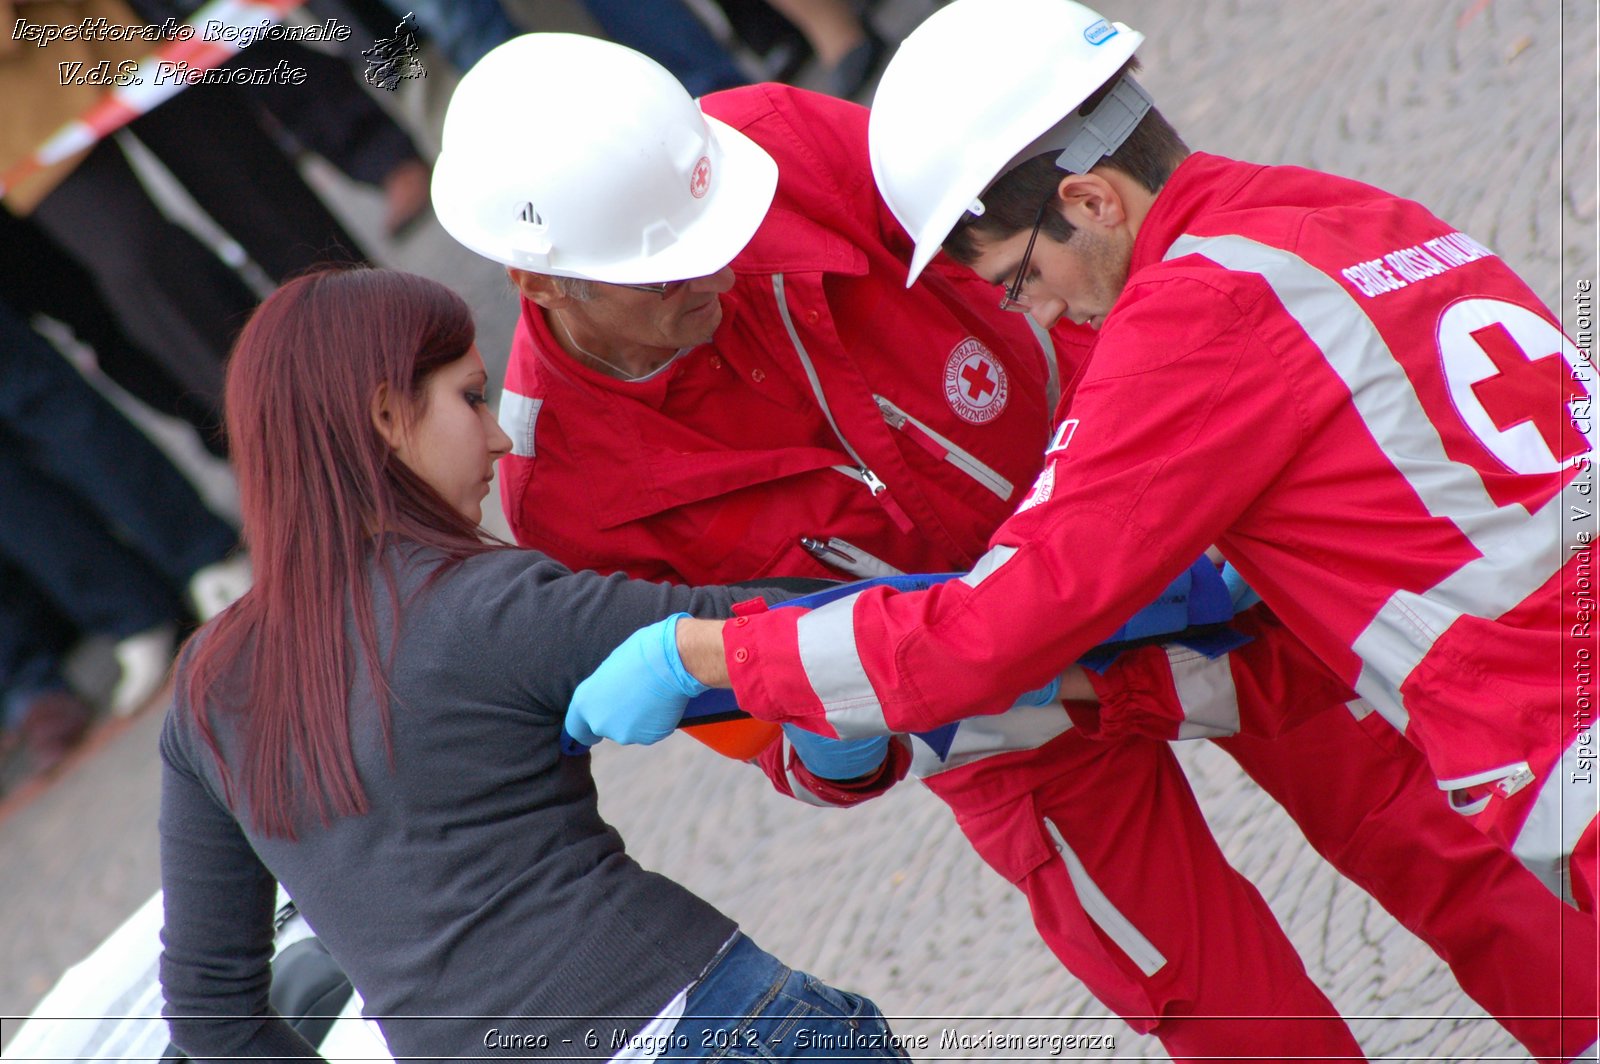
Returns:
(1149, 155)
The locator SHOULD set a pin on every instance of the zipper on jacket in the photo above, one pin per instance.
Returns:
(944, 448)
(874, 483)
(870, 479)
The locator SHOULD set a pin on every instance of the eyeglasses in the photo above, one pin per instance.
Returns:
(1014, 299)
(663, 290)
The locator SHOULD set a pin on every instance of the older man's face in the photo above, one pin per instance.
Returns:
(688, 315)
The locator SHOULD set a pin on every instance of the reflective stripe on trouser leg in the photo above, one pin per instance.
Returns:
(1106, 915)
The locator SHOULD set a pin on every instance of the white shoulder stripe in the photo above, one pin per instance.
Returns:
(1019, 728)
(1047, 346)
(986, 566)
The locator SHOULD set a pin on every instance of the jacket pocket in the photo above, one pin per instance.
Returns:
(1010, 837)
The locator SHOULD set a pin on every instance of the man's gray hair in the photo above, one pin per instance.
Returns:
(579, 288)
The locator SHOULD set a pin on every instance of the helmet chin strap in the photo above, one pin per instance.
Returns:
(1083, 140)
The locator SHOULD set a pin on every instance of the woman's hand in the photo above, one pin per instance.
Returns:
(638, 693)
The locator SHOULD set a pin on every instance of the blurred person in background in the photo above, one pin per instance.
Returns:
(848, 48)
(39, 278)
(328, 113)
(41, 717)
(170, 292)
(98, 520)
(668, 30)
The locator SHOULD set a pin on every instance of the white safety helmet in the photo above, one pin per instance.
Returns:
(983, 85)
(577, 157)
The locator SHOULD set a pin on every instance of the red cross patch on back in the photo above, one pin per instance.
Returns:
(1518, 383)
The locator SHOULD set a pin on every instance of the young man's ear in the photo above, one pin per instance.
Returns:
(537, 288)
(387, 417)
(1090, 201)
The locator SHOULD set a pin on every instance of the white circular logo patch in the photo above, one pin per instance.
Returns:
(1518, 384)
(1043, 488)
(975, 383)
(700, 178)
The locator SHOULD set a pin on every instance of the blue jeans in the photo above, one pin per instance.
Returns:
(33, 638)
(668, 32)
(665, 30)
(69, 458)
(751, 1007)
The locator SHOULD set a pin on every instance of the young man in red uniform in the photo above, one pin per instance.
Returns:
(798, 408)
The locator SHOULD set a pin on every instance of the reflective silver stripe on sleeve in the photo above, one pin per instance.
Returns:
(1565, 807)
(1206, 693)
(827, 644)
(1519, 551)
(518, 417)
(1106, 915)
(1021, 728)
(987, 564)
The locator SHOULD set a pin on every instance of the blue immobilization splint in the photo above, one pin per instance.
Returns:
(1194, 610)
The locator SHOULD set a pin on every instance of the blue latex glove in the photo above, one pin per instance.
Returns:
(638, 693)
(837, 759)
(1243, 595)
(1041, 696)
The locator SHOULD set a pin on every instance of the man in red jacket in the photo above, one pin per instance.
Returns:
(797, 413)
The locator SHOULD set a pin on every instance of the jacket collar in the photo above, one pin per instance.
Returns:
(1198, 185)
(668, 464)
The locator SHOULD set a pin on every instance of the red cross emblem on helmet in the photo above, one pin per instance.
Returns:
(975, 383)
(700, 178)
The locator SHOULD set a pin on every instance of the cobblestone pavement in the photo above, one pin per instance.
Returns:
(1484, 109)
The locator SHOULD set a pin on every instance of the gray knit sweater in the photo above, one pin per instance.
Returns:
(481, 907)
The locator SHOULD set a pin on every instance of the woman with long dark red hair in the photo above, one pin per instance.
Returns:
(375, 726)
